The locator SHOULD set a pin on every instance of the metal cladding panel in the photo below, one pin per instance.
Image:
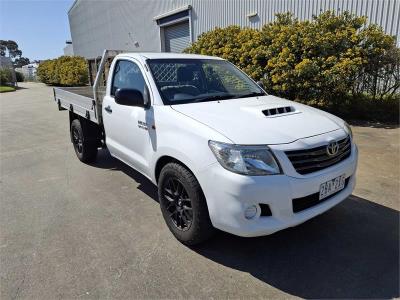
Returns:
(130, 24)
(177, 37)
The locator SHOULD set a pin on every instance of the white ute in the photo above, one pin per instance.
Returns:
(222, 152)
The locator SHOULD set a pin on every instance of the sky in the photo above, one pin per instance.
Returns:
(40, 27)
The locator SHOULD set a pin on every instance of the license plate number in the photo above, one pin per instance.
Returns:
(332, 186)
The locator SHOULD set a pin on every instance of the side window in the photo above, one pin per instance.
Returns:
(127, 75)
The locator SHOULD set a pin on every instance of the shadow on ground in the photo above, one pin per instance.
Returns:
(352, 251)
(20, 88)
(106, 161)
(373, 124)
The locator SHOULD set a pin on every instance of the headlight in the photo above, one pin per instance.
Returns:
(347, 128)
(246, 160)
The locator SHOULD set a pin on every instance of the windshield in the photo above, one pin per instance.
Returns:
(197, 80)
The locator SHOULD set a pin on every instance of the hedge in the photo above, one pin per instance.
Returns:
(5, 76)
(64, 71)
(19, 76)
(325, 62)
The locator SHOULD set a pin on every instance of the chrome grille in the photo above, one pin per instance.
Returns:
(315, 159)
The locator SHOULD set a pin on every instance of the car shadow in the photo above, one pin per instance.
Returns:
(106, 161)
(370, 124)
(20, 88)
(351, 251)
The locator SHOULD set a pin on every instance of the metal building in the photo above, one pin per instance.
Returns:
(68, 49)
(171, 25)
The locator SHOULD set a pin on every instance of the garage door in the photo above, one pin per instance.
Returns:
(177, 37)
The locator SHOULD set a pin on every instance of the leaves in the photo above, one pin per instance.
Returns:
(320, 60)
(11, 47)
(22, 61)
(5, 76)
(65, 70)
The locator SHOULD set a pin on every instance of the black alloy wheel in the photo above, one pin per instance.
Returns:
(183, 204)
(178, 203)
(77, 140)
(85, 148)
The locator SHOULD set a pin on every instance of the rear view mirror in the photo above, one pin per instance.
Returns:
(129, 97)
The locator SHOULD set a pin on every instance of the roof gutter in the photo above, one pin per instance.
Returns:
(171, 12)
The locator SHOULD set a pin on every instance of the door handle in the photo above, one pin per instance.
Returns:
(108, 109)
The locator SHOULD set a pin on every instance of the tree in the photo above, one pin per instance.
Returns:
(19, 62)
(11, 48)
(3, 48)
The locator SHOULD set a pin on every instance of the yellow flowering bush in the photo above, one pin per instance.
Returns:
(65, 70)
(320, 61)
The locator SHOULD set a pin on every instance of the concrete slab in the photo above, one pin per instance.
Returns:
(70, 230)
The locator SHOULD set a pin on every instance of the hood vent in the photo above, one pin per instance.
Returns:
(278, 111)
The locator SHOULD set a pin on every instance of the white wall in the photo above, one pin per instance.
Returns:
(69, 50)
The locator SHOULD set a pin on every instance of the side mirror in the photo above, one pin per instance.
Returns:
(130, 97)
(261, 84)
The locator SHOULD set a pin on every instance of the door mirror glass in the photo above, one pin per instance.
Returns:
(129, 97)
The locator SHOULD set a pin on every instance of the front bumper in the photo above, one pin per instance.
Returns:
(228, 194)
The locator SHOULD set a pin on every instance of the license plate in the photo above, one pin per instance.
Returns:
(332, 186)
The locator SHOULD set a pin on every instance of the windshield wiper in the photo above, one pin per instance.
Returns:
(214, 98)
(253, 94)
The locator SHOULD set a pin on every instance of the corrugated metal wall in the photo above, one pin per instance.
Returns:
(129, 24)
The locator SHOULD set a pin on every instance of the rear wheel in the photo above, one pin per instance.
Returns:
(183, 205)
(85, 149)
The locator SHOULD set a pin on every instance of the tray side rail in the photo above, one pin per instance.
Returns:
(70, 99)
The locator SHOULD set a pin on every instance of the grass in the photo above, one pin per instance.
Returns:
(4, 89)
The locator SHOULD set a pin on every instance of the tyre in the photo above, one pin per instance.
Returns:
(85, 149)
(183, 205)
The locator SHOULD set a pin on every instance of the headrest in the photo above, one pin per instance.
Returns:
(185, 73)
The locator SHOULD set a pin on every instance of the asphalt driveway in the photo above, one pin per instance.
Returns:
(70, 230)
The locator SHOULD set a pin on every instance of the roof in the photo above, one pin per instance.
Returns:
(158, 55)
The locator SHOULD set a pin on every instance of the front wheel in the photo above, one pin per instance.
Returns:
(85, 150)
(183, 205)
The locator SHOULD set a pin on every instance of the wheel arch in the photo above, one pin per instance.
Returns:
(93, 131)
(164, 160)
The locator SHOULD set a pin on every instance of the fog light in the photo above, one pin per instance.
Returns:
(250, 212)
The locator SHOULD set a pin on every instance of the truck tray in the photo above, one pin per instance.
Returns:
(86, 101)
(80, 100)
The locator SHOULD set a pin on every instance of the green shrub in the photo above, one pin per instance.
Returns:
(239, 46)
(323, 62)
(19, 76)
(65, 70)
(364, 107)
(5, 76)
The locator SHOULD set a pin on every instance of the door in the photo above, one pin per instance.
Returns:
(127, 132)
(177, 37)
